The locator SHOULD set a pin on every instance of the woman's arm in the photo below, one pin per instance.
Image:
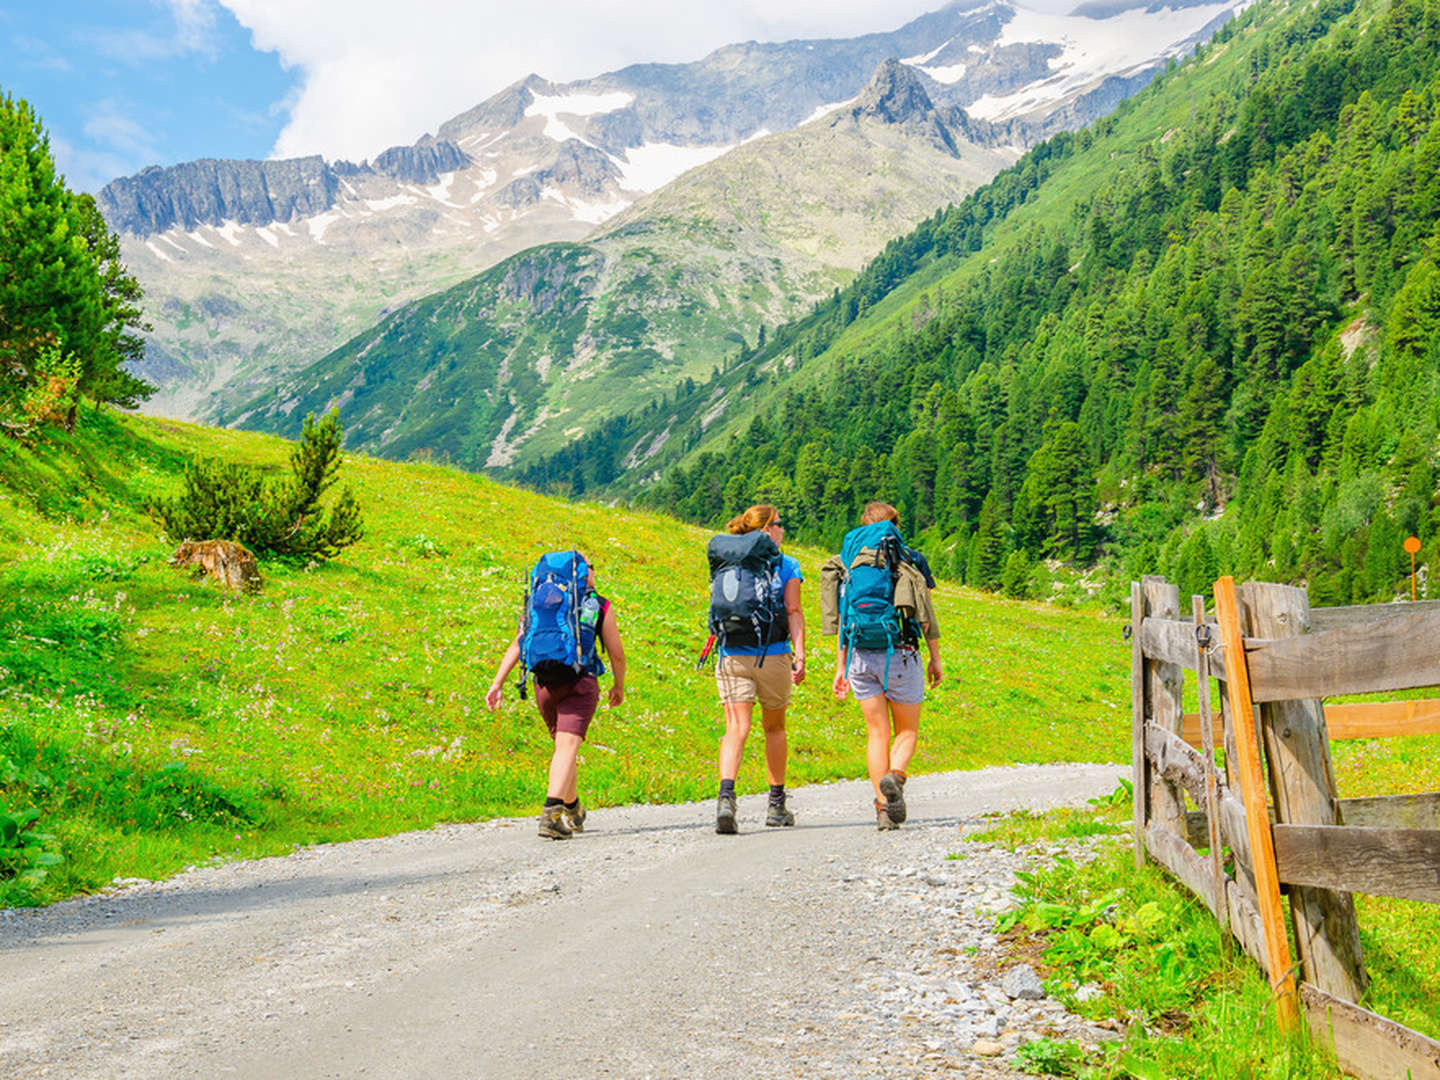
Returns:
(796, 613)
(610, 635)
(507, 665)
(932, 646)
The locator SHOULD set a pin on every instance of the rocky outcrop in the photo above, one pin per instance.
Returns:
(213, 191)
(422, 163)
(581, 169)
(210, 192)
(896, 96)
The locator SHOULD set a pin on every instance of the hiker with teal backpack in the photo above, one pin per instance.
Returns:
(875, 597)
(564, 623)
(758, 629)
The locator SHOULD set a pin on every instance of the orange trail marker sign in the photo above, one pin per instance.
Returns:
(1412, 545)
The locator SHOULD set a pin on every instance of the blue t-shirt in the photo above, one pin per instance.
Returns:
(789, 571)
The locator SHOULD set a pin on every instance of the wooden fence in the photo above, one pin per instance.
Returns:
(1275, 659)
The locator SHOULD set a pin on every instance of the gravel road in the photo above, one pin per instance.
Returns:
(648, 947)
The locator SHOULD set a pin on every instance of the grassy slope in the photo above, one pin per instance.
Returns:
(345, 699)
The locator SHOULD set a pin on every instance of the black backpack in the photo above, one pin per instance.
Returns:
(747, 603)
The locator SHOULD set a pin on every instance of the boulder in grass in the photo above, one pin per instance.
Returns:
(227, 562)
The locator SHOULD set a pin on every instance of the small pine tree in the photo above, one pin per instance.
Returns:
(283, 517)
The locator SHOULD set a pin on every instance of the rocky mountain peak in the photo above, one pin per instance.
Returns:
(894, 95)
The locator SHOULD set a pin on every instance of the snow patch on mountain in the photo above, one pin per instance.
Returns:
(1092, 48)
(576, 105)
(653, 165)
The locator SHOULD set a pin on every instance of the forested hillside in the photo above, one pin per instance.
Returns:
(1199, 337)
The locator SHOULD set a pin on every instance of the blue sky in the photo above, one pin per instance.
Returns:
(122, 84)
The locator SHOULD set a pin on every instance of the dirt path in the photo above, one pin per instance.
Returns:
(648, 947)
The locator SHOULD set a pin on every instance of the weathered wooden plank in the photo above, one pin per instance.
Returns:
(1173, 641)
(1173, 853)
(1383, 719)
(1403, 863)
(1252, 784)
(1366, 1044)
(1163, 702)
(1245, 921)
(1139, 763)
(1397, 654)
(1393, 811)
(1205, 635)
(1355, 720)
(1357, 616)
(1231, 814)
(1302, 778)
(1174, 760)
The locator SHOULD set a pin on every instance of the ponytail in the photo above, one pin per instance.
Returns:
(756, 517)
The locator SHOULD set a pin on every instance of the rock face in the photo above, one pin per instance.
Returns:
(422, 163)
(216, 192)
(212, 192)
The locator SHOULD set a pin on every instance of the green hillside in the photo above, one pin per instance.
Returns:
(1201, 336)
(155, 720)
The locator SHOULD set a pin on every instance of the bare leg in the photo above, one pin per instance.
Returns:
(738, 716)
(562, 784)
(773, 721)
(906, 721)
(876, 711)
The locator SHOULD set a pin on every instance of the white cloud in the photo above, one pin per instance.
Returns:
(374, 74)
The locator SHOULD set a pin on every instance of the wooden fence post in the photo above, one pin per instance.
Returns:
(1207, 743)
(1257, 815)
(1164, 707)
(1302, 779)
(1140, 765)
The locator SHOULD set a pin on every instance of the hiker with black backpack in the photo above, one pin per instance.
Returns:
(563, 624)
(875, 596)
(757, 627)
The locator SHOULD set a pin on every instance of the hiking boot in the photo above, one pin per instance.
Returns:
(576, 818)
(777, 814)
(892, 786)
(725, 815)
(552, 823)
(882, 819)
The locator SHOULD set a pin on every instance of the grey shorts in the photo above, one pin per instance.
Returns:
(905, 684)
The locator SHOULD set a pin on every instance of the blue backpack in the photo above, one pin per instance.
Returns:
(747, 604)
(868, 619)
(560, 621)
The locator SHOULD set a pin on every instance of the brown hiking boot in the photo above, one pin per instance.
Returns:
(552, 823)
(575, 818)
(778, 814)
(882, 819)
(892, 786)
(725, 815)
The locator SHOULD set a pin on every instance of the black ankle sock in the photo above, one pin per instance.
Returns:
(573, 805)
(550, 801)
(777, 793)
(727, 787)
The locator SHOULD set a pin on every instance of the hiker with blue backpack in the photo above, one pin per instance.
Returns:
(757, 627)
(564, 623)
(875, 597)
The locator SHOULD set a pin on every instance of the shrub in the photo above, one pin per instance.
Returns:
(276, 517)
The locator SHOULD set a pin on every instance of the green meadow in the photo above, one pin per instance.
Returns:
(154, 720)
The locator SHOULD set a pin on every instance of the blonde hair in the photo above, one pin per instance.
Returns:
(879, 511)
(756, 517)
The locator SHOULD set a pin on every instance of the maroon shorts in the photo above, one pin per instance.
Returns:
(569, 708)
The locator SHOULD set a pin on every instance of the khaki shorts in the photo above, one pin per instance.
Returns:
(743, 678)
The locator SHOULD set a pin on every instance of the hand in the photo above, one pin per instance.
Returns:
(797, 670)
(617, 695)
(934, 671)
(840, 685)
(492, 698)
